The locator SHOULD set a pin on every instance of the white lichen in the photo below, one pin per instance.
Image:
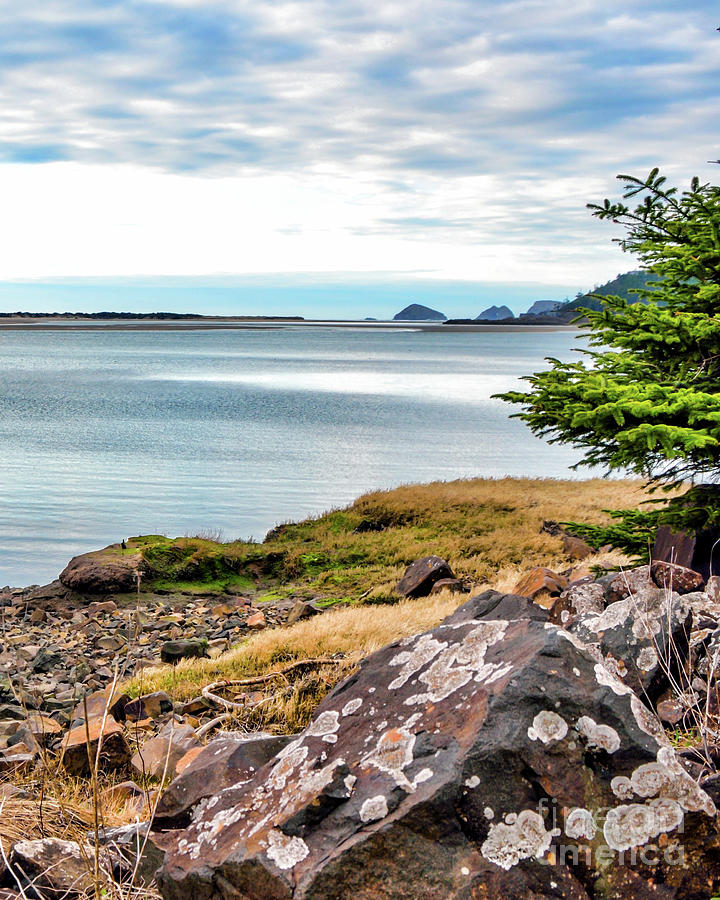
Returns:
(547, 726)
(326, 723)
(509, 843)
(286, 851)
(374, 809)
(622, 787)
(352, 706)
(598, 737)
(580, 824)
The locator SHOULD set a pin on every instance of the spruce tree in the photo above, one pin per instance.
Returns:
(645, 399)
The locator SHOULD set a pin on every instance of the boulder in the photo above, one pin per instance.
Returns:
(421, 575)
(643, 639)
(229, 759)
(174, 651)
(676, 578)
(301, 610)
(82, 742)
(102, 571)
(149, 706)
(578, 599)
(132, 852)
(483, 759)
(159, 755)
(628, 582)
(541, 581)
(494, 605)
(54, 867)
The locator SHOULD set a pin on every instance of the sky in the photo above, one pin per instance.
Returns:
(336, 157)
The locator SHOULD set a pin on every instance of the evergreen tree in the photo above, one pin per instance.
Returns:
(646, 398)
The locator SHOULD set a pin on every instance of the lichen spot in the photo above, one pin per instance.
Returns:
(647, 659)
(507, 844)
(580, 824)
(472, 782)
(352, 706)
(621, 786)
(605, 678)
(489, 813)
(326, 723)
(599, 737)
(373, 809)
(286, 851)
(547, 726)
(393, 753)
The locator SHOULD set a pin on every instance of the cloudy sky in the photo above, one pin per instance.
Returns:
(336, 155)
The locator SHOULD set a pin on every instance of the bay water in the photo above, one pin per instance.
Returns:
(108, 433)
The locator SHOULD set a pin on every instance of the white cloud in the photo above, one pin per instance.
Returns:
(189, 136)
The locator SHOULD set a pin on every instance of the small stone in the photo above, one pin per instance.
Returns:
(540, 580)
(161, 754)
(56, 867)
(676, 578)
(256, 620)
(114, 754)
(421, 575)
(174, 651)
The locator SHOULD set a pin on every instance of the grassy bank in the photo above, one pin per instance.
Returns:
(489, 530)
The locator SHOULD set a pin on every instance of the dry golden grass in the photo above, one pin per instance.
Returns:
(486, 529)
(348, 633)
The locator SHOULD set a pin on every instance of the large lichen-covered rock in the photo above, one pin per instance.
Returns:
(486, 758)
(102, 571)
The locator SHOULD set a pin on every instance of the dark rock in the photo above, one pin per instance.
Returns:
(494, 605)
(228, 760)
(132, 851)
(149, 706)
(47, 661)
(628, 582)
(676, 578)
(301, 610)
(55, 867)
(698, 551)
(421, 575)
(441, 770)
(174, 651)
(102, 572)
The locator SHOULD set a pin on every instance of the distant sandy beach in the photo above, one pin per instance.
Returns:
(209, 323)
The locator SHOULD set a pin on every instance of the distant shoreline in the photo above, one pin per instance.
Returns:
(218, 323)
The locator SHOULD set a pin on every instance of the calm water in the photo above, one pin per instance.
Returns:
(107, 434)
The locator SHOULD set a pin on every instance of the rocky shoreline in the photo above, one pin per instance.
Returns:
(517, 749)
